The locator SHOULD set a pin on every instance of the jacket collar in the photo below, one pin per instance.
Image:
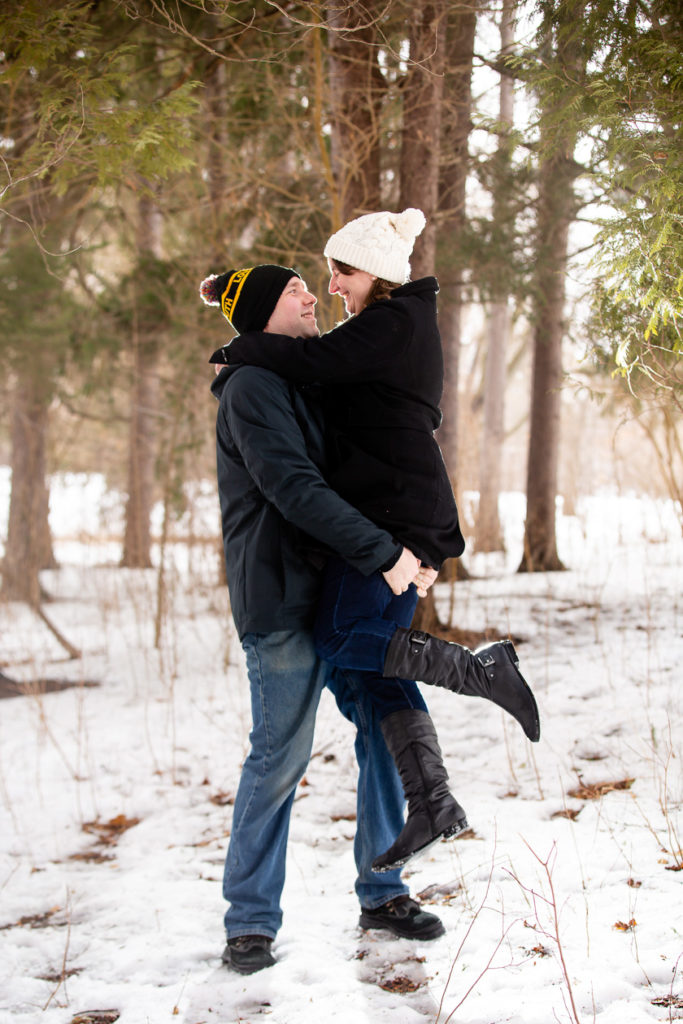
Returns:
(221, 379)
(422, 285)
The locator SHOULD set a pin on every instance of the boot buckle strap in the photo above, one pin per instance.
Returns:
(488, 663)
(417, 640)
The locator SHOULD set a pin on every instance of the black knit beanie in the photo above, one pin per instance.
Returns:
(247, 297)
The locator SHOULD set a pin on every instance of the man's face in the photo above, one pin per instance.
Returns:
(295, 312)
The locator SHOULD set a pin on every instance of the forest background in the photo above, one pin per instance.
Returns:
(144, 144)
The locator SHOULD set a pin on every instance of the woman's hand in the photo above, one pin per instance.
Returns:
(424, 579)
(401, 575)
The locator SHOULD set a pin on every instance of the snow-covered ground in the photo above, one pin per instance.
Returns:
(564, 905)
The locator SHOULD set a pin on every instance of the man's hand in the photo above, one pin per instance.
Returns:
(424, 579)
(401, 575)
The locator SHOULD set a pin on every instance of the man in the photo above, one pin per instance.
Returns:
(270, 453)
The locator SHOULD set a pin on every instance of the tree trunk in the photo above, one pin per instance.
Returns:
(555, 215)
(29, 544)
(557, 206)
(420, 137)
(489, 535)
(456, 125)
(144, 410)
(556, 211)
(216, 102)
(215, 105)
(356, 88)
(433, 41)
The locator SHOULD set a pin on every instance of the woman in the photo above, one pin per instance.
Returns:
(381, 372)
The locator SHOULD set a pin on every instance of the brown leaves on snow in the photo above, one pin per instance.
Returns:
(595, 790)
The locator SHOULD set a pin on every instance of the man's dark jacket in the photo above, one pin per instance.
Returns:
(270, 456)
(382, 377)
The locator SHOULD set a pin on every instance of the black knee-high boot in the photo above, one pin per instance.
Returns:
(433, 812)
(490, 672)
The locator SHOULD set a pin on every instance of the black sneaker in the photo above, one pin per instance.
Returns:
(248, 953)
(404, 917)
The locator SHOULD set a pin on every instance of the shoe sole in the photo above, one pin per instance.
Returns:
(435, 932)
(448, 833)
(246, 969)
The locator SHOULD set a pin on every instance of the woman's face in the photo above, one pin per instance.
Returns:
(354, 288)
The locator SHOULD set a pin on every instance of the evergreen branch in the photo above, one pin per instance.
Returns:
(59, 154)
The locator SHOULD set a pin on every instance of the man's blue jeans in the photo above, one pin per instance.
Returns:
(357, 617)
(286, 678)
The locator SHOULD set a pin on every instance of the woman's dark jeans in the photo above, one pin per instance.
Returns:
(357, 617)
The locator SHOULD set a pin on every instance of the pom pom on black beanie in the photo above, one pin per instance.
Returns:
(247, 297)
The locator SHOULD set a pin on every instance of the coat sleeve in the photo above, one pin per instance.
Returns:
(256, 409)
(362, 348)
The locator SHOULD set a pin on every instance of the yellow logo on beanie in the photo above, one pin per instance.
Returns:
(232, 292)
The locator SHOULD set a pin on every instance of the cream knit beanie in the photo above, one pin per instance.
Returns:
(379, 243)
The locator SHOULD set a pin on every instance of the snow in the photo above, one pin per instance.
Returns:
(115, 799)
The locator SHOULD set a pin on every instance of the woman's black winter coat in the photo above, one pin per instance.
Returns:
(382, 377)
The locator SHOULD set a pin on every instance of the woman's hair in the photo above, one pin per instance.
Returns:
(380, 289)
